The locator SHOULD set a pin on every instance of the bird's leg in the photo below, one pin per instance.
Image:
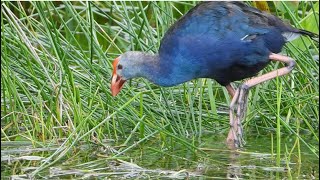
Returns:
(242, 106)
(234, 139)
(244, 89)
(273, 74)
(232, 136)
(230, 90)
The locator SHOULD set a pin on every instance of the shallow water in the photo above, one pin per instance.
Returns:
(152, 160)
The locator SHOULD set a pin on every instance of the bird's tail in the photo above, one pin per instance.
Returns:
(312, 35)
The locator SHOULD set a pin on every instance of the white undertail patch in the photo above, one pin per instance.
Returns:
(290, 36)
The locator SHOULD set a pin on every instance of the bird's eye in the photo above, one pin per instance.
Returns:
(119, 66)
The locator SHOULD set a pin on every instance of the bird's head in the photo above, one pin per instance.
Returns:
(126, 66)
(117, 80)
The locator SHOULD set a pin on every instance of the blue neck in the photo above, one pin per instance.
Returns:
(165, 71)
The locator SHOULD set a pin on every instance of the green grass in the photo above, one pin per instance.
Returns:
(55, 81)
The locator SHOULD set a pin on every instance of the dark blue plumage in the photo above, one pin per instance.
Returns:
(209, 41)
(225, 41)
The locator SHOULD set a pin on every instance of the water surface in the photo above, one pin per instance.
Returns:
(151, 160)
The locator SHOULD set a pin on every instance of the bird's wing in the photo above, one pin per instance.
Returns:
(219, 21)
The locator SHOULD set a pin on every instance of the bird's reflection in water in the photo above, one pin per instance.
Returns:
(234, 167)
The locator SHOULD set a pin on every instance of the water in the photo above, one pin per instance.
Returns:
(152, 160)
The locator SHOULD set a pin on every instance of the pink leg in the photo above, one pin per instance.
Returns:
(232, 135)
(232, 138)
(240, 97)
(230, 90)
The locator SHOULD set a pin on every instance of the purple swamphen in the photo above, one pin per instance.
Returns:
(225, 41)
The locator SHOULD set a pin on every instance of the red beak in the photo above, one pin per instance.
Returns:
(116, 82)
